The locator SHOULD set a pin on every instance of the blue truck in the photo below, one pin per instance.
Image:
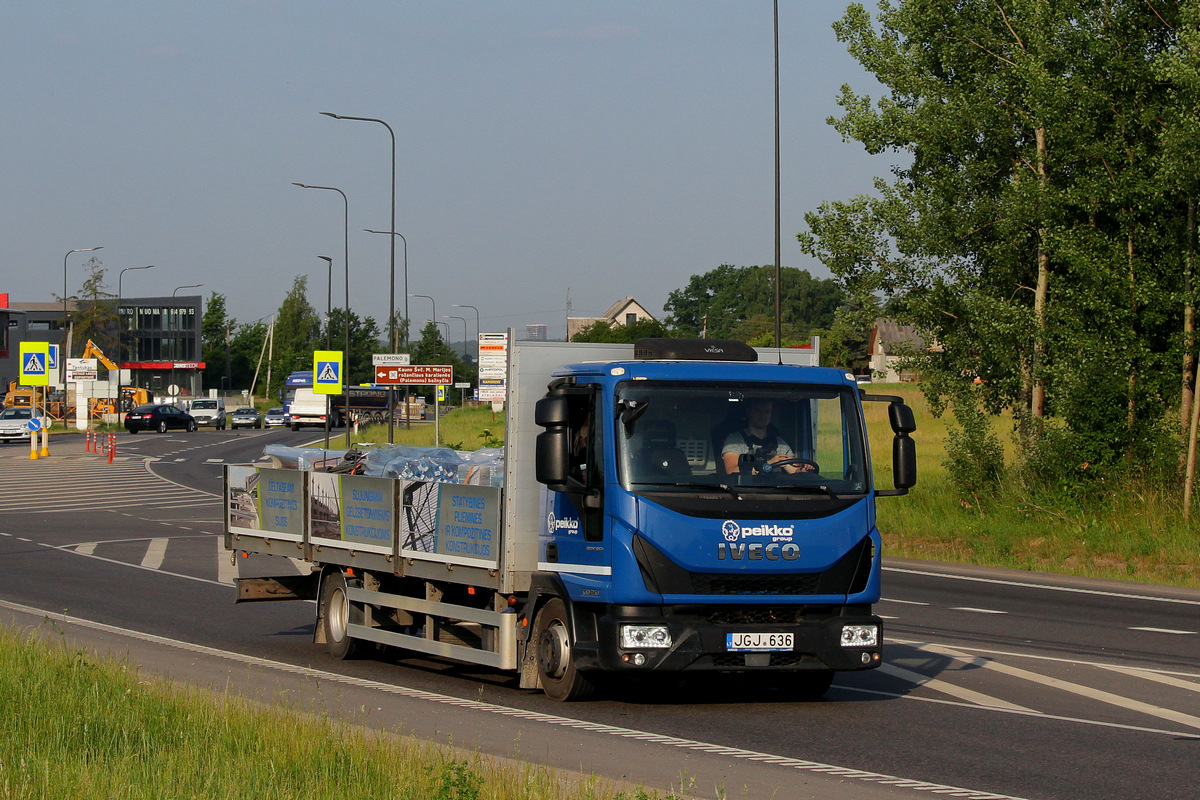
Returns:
(674, 506)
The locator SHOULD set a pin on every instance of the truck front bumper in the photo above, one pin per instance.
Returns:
(700, 639)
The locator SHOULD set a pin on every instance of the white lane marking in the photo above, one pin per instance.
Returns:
(1165, 630)
(977, 610)
(1047, 587)
(214, 461)
(86, 549)
(903, 602)
(227, 568)
(156, 551)
(1158, 677)
(532, 716)
(977, 698)
(1074, 688)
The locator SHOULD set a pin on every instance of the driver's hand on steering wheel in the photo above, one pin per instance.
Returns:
(794, 464)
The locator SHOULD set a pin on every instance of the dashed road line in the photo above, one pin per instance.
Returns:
(1165, 630)
(971, 610)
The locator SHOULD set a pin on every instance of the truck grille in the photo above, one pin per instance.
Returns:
(661, 575)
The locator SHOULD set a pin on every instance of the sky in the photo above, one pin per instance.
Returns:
(551, 157)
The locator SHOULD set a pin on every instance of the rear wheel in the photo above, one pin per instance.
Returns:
(335, 616)
(191, 426)
(552, 638)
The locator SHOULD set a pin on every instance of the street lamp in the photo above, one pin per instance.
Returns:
(328, 303)
(431, 300)
(63, 354)
(464, 322)
(346, 257)
(392, 284)
(476, 310)
(120, 276)
(191, 286)
(392, 310)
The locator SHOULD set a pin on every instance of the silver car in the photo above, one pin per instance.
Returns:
(275, 416)
(14, 423)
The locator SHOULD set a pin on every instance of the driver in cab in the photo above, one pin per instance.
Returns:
(759, 442)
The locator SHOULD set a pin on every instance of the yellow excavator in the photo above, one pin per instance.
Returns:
(130, 396)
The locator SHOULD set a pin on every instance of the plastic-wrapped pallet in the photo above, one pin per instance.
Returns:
(437, 464)
(284, 457)
(482, 467)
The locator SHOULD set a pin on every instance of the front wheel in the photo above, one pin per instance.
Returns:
(335, 616)
(162, 426)
(552, 638)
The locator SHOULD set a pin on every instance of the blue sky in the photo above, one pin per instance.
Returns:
(596, 149)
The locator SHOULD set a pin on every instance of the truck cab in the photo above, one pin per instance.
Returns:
(705, 515)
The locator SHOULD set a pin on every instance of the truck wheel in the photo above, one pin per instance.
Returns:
(295, 426)
(552, 638)
(335, 616)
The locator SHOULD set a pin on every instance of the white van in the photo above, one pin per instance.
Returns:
(209, 411)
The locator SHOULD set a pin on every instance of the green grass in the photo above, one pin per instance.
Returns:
(1127, 532)
(73, 725)
(466, 428)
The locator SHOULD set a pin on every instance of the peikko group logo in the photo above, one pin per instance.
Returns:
(554, 524)
(733, 531)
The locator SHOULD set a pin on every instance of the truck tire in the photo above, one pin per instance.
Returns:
(335, 616)
(295, 426)
(552, 639)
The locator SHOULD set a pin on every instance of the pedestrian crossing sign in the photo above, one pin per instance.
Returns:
(327, 372)
(35, 356)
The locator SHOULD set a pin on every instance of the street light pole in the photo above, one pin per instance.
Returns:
(465, 331)
(192, 286)
(476, 310)
(434, 302)
(63, 354)
(392, 327)
(346, 256)
(392, 293)
(328, 303)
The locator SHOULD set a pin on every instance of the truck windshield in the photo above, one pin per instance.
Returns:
(679, 436)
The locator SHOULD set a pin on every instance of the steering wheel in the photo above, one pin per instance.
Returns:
(794, 462)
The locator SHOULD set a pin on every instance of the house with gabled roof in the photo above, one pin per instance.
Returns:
(622, 312)
(890, 342)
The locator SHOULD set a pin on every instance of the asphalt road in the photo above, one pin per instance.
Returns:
(996, 684)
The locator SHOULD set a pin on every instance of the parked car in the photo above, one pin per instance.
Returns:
(209, 411)
(159, 418)
(14, 423)
(275, 416)
(246, 418)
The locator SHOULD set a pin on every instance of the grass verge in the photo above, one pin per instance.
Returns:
(76, 725)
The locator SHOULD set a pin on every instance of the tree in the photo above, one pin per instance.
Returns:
(719, 301)
(297, 330)
(605, 331)
(95, 312)
(214, 330)
(1026, 229)
(431, 348)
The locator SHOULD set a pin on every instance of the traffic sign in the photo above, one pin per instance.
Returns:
(34, 425)
(327, 371)
(81, 369)
(389, 359)
(34, 358)
(415, 375)
(52, 360)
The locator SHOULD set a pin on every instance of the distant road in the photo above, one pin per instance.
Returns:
(996, 683)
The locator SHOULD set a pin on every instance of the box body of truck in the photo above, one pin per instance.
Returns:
(634, 530)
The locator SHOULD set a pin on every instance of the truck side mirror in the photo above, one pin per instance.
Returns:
(904, 449)
(551, 459)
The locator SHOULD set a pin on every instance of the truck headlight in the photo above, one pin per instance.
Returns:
(636, 637)
(860, 636)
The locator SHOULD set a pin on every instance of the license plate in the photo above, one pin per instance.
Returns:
(759, 642)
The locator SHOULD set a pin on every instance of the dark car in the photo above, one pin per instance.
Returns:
(245, 418)
(159, 418)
